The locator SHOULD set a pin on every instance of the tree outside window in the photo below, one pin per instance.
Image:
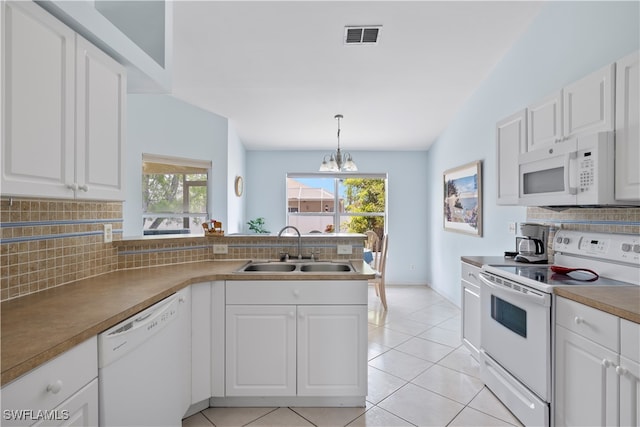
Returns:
(174, 195)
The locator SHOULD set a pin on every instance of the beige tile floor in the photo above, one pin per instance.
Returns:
(419, 375)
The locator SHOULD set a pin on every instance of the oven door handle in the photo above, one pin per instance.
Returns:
(531, 296)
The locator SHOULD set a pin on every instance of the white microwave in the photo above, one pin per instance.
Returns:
(574, 172)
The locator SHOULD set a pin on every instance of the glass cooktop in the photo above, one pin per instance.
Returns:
(542, 274)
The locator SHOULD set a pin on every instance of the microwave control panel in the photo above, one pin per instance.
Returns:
(586, 171)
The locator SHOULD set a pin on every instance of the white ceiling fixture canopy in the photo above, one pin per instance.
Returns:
(338, 162)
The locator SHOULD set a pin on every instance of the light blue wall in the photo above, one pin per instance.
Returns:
(162, 124)
(407, 226)
(565, 42)
(236, 167)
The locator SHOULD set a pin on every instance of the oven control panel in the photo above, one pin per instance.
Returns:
(623, 248)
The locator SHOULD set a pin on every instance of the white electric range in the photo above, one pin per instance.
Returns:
(517, 315)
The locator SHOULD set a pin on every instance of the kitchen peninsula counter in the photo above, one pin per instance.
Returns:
(38, 327)
(621, 301)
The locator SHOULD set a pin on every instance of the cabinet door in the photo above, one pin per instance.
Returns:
(544, 124)
(471, 309)
(580, 361)
(100, 97)
(184, 344)
(627, 183)
(588, 103)
(81, 409)
(261, 350)
(37, 102)
(332, 350)
(629, 372)
(511, 140)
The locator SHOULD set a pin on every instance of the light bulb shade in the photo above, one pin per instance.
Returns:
(324, 166)
(350, 165)
(333, 165)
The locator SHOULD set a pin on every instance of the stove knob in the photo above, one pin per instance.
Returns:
(626, 247)
(566, 240)
(559, 239)
(636, 248)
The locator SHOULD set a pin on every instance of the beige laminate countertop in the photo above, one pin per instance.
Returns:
(37, 327)
(621, 301)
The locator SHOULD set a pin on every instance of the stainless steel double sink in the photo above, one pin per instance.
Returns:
(297, 267)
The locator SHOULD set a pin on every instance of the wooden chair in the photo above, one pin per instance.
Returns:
(373, 240)
(380, 263)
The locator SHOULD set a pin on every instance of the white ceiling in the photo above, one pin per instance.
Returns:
(280, 71)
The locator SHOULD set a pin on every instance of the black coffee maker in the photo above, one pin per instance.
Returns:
(532, 246)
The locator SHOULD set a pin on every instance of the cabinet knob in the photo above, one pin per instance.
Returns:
(578, 320)
(296, 293)
(84, 188)
(621, 371)
(55, 387)
(292, 314)
(606, 363)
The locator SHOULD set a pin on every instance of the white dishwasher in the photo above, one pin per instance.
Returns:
(138, 369)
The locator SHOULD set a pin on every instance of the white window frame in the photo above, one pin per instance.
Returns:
(336, 214)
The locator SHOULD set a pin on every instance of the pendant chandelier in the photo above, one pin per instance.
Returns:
(338, 162)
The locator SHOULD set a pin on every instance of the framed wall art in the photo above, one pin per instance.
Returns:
(462, 200)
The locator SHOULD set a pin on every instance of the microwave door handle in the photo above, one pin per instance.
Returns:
(568, 172)
(538, 299)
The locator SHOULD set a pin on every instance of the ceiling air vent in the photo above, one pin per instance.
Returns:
(362, 34)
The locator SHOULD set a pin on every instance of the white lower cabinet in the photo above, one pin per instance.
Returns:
(63, 391)
(596, 375)
(471, 308)
(629, 372)
(261, 350)
(296, 339)
(185, 344)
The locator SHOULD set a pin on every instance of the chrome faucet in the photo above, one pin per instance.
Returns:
(299, 238)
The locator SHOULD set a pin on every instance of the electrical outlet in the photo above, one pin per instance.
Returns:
(108, 233)
(512, 228)
(220, 249)
(344, 250)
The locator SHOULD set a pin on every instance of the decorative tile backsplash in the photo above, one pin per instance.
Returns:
(46, 243)
(603, 220)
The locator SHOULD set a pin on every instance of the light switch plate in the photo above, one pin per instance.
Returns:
(220, 249)
(344, 250)
(512, 228)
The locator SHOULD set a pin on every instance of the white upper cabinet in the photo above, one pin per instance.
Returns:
(545, 122)
(627, 182)
(585, 106)
(100, 130)
(63, 110)
(511, 139)
(588, 104)
(38, 108)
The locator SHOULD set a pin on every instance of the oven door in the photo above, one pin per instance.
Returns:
(515, 330)
(547, 176)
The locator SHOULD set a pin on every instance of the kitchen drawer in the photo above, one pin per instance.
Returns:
(630, 340)
(67, 374)
(297, 292)
(589, 322)
(470, 273)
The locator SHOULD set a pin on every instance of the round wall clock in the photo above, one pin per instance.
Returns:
(239, 184)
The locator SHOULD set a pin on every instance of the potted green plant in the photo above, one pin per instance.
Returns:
(257, 226)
